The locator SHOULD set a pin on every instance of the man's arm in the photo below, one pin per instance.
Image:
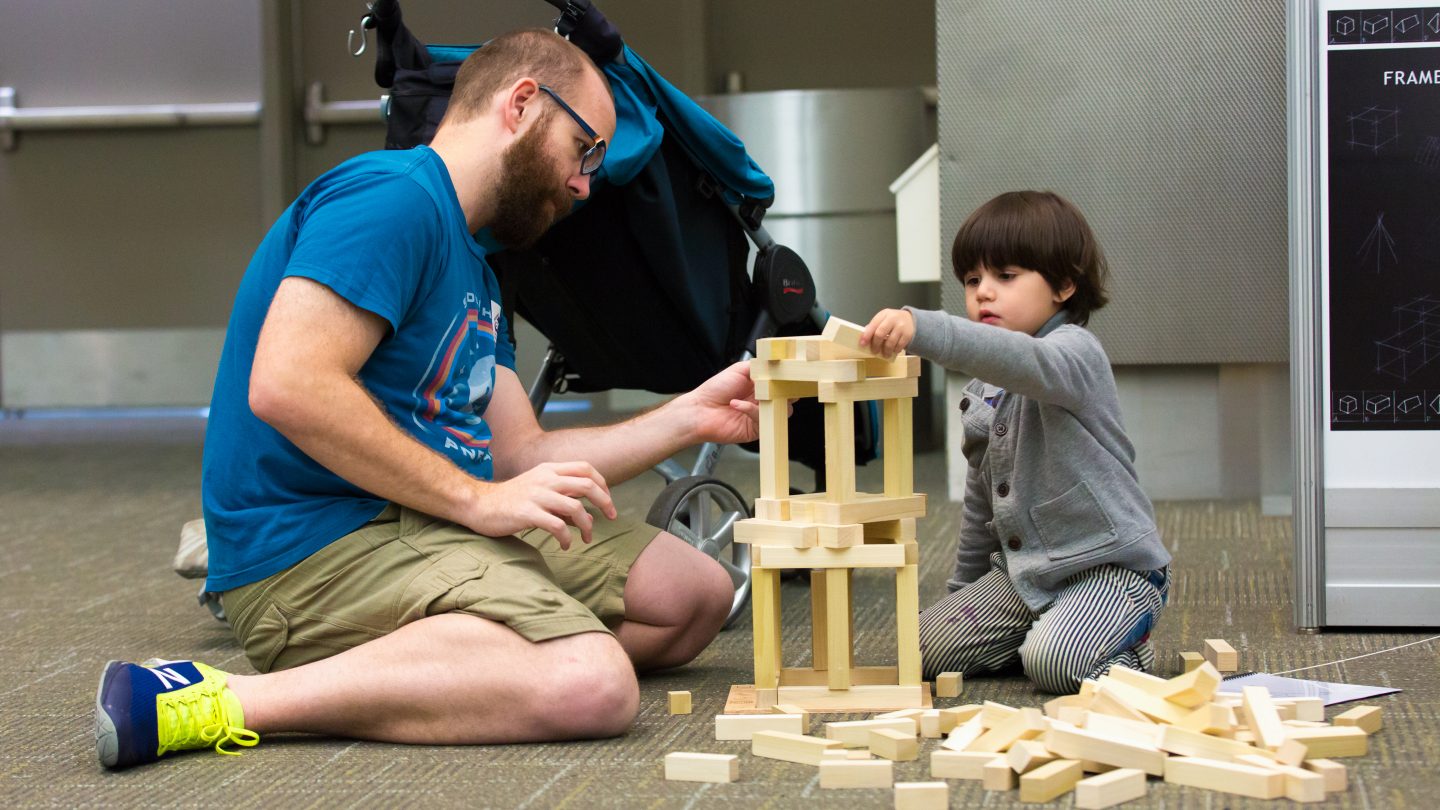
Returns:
(722, 409)
(303, 384)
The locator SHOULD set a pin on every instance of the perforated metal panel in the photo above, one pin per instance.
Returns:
(1164, 122)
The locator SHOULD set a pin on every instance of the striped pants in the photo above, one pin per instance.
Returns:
(1101, 618)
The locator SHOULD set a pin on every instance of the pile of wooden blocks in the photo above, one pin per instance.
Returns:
(1123, 728)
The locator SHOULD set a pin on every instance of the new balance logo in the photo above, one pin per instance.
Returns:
(169, 677)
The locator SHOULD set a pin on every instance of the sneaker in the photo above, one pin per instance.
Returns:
(145, 711)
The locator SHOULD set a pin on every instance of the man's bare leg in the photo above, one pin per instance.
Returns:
(452, 679)
(676, 601)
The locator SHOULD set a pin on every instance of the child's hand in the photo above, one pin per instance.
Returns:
(889, 332)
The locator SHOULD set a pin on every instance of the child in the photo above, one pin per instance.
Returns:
(1059, 567)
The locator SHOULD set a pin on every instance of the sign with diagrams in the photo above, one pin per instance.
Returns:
(1381, 110)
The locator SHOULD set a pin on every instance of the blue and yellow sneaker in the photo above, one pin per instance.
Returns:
(145, 711)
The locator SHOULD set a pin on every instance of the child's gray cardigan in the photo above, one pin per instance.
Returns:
(1052, 479)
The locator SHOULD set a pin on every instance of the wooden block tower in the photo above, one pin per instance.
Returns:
(836, 531)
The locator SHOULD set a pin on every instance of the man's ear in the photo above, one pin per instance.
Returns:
(1064, 293)
(519, 101)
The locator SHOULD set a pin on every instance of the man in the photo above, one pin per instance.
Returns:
(403, 552)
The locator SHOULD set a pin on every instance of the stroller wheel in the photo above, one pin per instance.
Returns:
(702, 511)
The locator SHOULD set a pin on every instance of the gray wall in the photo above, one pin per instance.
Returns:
(1165, 123)
(122, 248)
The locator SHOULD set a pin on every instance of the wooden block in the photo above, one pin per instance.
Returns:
(1144, 702)
(790, 708)
(1188, 743)
(1262, 718)
(1109, 789)
(790, 747)
(993, 714)
(745, 726)
(1300, 785)
(1304, 724)
(949, 684)
(959, 714)
(868, 556)
(1053, 707)
(1027, 724)
(1074, 743)
(845, 333)
(1143, 681)
(1119, 728)
(873, 773)
(765, 616)
(894, 745)
(1211, 719)
(903, 714)
(839, 455)
(1284, 709)
(772, 508)
(1226, 777)
(960, 764)
(679, 702)
(809, 370)
(904, 365)
(922, 796)
(776, 533)
(1074, 715)
(1309, 709)
(896, 531)
(816, 347)
(1027, 755)
(837, 628)
(1051, 780)
(1190, 660)
(997, 775)
(907, 622)
(1332, 772)
(1221, 655)
(1366, 718)
(964, 735)
(1106, 701)
(1194, 688)
(858, 698)
(930, 724)
(1292, 753)
(682, 766)
(1088, 687)
(1329, 743)
(768, 349)
(856, 733)
(774, 425)
(863, 507)
(899, 443)
(840, 536)
(872, 388)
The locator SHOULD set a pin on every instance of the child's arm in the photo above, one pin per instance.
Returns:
(1060, 368)
(972, 553)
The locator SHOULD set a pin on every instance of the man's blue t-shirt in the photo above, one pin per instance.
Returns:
(384, 231)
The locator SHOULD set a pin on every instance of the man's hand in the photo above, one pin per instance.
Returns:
(889, 332)
(723, 408)
(546, 497)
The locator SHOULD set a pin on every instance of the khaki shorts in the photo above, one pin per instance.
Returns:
(405, 565)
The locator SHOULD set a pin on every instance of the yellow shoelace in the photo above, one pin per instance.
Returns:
(195, 718)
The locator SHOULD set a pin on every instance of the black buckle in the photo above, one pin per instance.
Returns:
(575, 11)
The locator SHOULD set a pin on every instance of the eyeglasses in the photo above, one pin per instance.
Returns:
(595, 155)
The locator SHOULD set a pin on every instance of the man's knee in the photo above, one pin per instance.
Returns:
(590, 687)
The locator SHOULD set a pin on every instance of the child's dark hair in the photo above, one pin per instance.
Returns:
(1040, 231)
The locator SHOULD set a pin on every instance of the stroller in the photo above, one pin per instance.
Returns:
(664, 236)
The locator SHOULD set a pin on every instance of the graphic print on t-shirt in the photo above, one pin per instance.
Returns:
(455, 390)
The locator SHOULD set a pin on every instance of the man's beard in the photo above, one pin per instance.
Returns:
(527, 192)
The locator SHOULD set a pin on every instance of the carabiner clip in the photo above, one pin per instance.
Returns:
(366, 23)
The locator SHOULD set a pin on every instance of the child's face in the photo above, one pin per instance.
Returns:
(1016, 298)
